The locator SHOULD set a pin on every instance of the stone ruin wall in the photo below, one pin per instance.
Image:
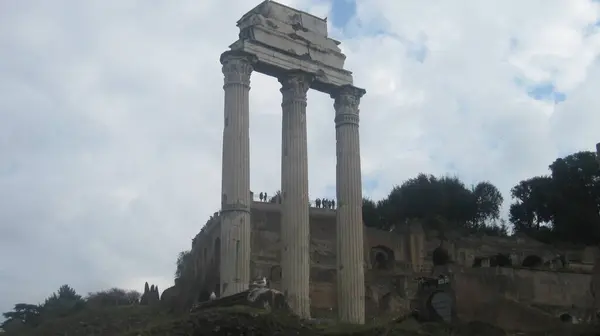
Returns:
(390, 282)
(551, 291)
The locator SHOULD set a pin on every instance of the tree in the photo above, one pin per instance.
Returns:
(532, 207)
(442, 203)
(564, 206)
(22, 315)
(113, 297)
(183, 259)
(370, 213)
(489, 200)
(497, 228)
(64, 302)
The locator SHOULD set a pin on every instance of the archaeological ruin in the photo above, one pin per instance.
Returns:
(325, 261)
(293, 47)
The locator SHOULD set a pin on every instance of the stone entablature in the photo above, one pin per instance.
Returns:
(285, 39)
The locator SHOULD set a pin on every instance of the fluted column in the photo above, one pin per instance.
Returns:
(235, 188)
(295, 229)
(349, 224)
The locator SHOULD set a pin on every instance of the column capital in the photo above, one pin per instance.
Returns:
(295, 85)
(237, 67)
(348, 95)
(346, 102)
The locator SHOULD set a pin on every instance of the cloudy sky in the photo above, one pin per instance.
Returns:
(111, 117)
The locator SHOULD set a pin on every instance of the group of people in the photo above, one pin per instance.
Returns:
(263, 197)
(325, 203)
(322, 203)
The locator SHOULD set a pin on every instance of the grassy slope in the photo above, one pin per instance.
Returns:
(146, 321)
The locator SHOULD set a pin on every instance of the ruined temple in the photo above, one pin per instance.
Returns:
(557, 282)
(325, 260)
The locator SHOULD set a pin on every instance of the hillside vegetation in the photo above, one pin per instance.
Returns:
(138, 320)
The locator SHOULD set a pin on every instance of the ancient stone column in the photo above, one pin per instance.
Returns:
(235, 194)
(295, 229)
(349, 224)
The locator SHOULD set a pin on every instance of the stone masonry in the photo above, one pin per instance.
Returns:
(294, 191)
(393, 260)
(235, 199)
(349, 224)
(293, 47)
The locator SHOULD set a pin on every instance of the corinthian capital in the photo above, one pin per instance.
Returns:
(237, 67)
(294, 86)
(347, 100)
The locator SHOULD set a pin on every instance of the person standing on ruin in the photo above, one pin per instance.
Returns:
(318, 202)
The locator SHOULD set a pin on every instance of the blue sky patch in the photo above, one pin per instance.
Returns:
(542, 91)
(546, 92)
(342, 11)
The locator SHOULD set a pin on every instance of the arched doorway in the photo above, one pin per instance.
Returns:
(382, 258)
(566, 318)
(532, 260)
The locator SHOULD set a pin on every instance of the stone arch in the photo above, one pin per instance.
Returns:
(275, 274)
(440, 256)
(382, 258)
(501, 260)
(532, 260)
(566, 318)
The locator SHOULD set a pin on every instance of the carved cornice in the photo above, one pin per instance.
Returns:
(294, 86)
(237, 67)
(347, 101)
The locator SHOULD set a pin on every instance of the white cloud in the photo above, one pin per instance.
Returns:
(112, 119)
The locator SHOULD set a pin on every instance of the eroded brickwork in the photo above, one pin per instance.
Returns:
(394, 259)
